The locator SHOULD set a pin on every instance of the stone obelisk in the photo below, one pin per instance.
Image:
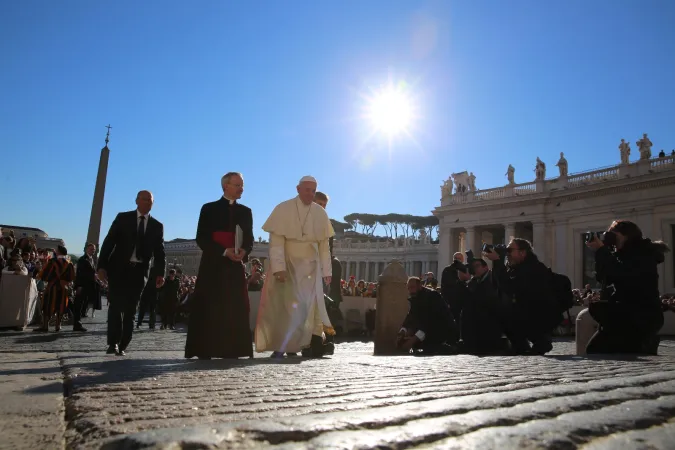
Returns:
(99, 193)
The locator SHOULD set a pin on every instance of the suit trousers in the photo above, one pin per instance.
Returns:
(124, 292)
(79, 306)
(149, 304)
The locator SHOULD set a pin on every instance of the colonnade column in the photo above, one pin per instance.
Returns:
(445, 246)
(509, 232)
(560, 248)
(539, 240)
(470, 240)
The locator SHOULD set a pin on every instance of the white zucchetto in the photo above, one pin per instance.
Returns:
(308, 178)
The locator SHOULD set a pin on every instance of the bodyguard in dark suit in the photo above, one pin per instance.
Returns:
(133, 241)
(87, 290)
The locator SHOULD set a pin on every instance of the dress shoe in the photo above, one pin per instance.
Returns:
(541, 348)
(121, 353)
(277, 355)
(204, 358)
(138, 326)
(79, 327)
(292, 355)
(111, 350)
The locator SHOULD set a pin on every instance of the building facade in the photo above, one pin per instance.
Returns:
(42, 239)
(555, 213)
(359, 257)
(552, 213)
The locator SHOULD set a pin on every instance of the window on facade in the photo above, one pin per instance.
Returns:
(588, 265)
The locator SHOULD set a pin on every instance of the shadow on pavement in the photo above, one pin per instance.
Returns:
(51, 336)
(115, 369)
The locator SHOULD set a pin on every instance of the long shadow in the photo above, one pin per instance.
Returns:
(31, 371)
(116, 369)
(37, 338)
(601, 357)
(51, 388)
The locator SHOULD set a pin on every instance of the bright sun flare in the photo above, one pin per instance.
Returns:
(391, 111)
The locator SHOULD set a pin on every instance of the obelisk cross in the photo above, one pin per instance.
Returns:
(107, 136)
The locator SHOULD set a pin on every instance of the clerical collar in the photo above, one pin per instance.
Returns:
(230, 201)
(302, 203)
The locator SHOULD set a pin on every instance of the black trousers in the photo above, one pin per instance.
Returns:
(124, 293)
(523, 325)
(149, 304)
(79, 306)
(168, 311)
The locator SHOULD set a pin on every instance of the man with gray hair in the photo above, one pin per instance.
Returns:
(219, 307)
(299, 260)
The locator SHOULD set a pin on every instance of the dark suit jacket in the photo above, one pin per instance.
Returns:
(120, 242)
(429, 313)
(85, 276)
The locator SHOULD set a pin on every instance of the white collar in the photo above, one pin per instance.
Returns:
(300, 202)
(138, 215)
(228, 199)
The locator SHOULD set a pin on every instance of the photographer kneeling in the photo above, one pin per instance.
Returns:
(531, 312)
(629, 310)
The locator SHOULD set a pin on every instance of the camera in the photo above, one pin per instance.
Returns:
(607, 238)
(500, 249)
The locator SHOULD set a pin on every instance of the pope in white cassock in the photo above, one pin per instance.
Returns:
(292, 310)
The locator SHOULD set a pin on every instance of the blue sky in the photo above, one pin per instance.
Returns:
(277, 90)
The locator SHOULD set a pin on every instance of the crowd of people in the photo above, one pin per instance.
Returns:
(474, 307)
(50, 268)
(523, 299)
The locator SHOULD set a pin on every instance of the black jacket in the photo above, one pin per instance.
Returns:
(119, 244)
(429, 313)
(482, 312)
(633, 272)
(528, 289)
(453, 289)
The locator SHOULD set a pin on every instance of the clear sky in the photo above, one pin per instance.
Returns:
(278, 90)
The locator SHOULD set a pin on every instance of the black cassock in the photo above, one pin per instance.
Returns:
(219, 307)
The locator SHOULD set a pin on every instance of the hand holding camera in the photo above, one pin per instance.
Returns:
(596, 240)
(494, 252)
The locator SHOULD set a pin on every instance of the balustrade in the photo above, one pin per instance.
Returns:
(525, 188)
(489, 194)
(665, 163)
(571, 181)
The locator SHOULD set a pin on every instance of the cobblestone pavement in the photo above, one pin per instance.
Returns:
(61, 390)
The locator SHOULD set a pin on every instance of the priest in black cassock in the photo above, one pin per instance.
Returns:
(219, 307)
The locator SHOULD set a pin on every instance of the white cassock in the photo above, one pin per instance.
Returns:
(290, 312)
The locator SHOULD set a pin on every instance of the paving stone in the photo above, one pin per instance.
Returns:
(31, 409)
(154, 398)
(660, 437)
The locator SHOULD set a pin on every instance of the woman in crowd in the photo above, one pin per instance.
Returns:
(360, 288)
(629, 310)
(57, 274)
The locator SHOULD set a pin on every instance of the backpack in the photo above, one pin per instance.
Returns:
(562, 291)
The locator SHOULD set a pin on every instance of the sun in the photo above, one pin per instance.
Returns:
(391, 110)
